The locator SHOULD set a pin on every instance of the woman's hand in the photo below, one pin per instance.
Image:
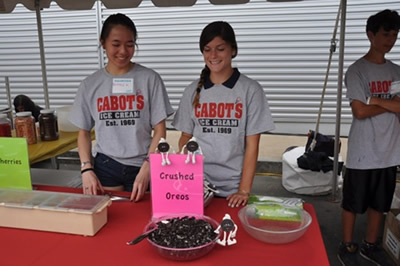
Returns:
(249, 168)
(143, 177)
(239, 198)
(141, 182)
(90, 183)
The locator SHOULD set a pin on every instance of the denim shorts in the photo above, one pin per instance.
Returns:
(373, 188)
(112, 173)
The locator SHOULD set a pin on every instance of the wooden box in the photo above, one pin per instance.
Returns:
(53, 211)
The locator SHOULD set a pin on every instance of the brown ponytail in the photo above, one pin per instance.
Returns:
(204, 73)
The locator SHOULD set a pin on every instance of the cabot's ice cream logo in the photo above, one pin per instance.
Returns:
(381, 89)
(219, 110)
(120, 110)
(219, 117)
(380, 86)
(120, 103)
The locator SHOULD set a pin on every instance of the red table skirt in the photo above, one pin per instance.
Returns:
(126, 220)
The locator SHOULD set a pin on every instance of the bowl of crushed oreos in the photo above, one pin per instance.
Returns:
(182, 237)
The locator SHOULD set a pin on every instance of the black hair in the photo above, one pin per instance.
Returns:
(387, 19)
(114, 20)
(214, 29)
(28, 105)
(218, 29)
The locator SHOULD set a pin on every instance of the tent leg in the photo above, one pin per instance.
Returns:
(42, 55)
(8, 93)
(339, 98)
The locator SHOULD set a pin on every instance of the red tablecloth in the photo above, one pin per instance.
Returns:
(126, 220)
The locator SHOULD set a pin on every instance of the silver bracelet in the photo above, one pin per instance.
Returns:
(85, 163)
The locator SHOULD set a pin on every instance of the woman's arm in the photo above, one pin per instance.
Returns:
(90, 183)
(143, 177)
(159, 131)
(185, 137)
(249, 168)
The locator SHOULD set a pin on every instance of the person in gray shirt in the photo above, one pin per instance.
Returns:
(124, 102)
(373, 147)
(226, 112)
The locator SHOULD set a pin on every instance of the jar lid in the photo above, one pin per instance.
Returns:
(28, 113)
(3, 116)
(47, 111)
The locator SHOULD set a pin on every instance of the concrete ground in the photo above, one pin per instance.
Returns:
(268, 181)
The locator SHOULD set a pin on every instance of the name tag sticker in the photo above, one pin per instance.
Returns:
(122, 85)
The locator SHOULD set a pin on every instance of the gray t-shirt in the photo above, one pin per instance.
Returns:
(123, 110)
(374, 142)
(226, 115)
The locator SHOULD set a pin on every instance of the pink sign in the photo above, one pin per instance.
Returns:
(176, 188)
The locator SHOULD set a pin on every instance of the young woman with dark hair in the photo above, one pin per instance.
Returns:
(226, 112)
(124, 102)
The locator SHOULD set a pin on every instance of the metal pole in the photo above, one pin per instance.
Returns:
(8, 91)
(9, 112)
(339, 98)
(99, 26)
(42, 55)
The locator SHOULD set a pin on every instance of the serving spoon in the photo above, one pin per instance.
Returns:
(144, 235)
(140, 237)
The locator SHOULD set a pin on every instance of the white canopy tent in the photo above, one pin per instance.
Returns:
(7, 6)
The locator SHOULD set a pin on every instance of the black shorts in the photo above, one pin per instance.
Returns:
(372, 188)
(113, 174)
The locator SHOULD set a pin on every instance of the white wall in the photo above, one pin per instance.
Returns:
(285, 46)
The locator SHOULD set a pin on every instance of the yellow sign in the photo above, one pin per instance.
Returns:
(14, 164)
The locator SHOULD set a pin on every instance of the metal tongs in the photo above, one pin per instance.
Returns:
(115, 197)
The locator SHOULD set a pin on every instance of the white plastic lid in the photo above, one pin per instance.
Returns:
(3, 116)
(57, 201)
(28, 113)
(47, 111)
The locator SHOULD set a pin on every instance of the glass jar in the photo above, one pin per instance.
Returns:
(9, 113)
(5, 126)
(25, 127)
(48, 125)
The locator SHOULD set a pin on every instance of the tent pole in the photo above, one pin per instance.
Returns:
(339, 98)
(42, 55)
(99, 26)
(8, 91)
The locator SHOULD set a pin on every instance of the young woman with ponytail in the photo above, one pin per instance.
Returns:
(226, 112)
